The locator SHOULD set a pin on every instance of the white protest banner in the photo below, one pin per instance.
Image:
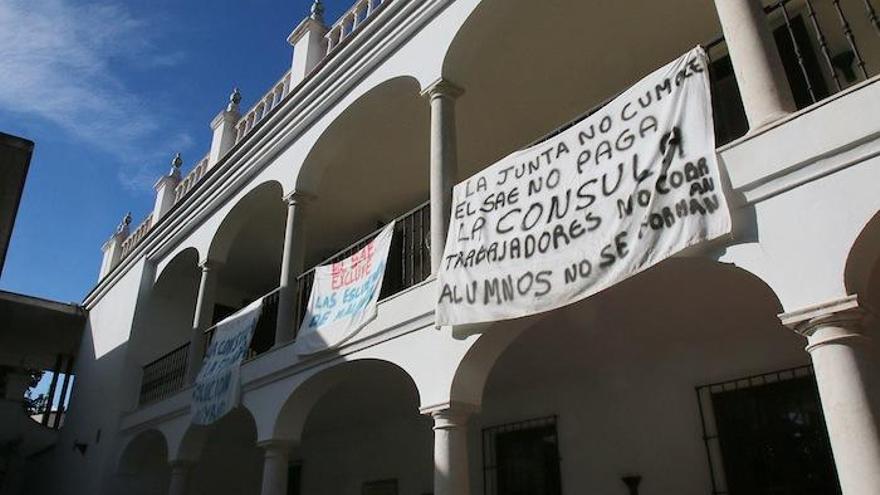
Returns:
(344, 296)
(218, 387)
(620, 191)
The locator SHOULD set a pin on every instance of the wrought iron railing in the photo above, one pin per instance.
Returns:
(409, 260)
(164, 376)
(822, 52)
(264, 332)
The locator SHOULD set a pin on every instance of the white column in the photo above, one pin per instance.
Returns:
(180, 473)
(202, 318)
(444, 162)
(275, 467)
(450, 452)
(765, 92)
(843, 359)
(291, 265)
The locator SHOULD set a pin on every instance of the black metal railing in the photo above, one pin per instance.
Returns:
(264, 332)
(822, 51)
(409, 259)
(164, 376)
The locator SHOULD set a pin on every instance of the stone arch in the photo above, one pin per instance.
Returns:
(862, 272)
(616, 373)
(582, 53)
(349, 166)
(474, 369)
(228, 460)
(291, 419)
(241, 216)
(166, 321)
(143, 465)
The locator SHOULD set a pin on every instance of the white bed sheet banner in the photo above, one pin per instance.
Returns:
(344, 296)
(218, 386)
(615, 194)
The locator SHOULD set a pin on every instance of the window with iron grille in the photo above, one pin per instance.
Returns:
(765, 435)
(522, 458)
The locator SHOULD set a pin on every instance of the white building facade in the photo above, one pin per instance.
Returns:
(750, 366)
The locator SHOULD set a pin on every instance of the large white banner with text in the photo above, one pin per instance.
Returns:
(620, 191)
(344, 296)
(218, 387)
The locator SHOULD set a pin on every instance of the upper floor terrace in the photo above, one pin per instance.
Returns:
(379, 146)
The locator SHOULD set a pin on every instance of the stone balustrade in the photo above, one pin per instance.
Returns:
(269, 101)
(137, 236)
(191, 179)
(351, 20)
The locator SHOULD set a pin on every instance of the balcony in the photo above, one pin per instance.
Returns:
(825, 48)
(409, 263)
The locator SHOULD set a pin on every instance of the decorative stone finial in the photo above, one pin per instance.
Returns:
(317, 12)
(234, 100)
(123, 225)
(176, 162)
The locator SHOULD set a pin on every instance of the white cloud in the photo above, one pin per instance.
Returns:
(62, 62)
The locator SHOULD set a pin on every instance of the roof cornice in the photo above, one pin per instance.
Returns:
(336, 75)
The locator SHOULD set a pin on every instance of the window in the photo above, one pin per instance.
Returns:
(765, 435)
(522, 458)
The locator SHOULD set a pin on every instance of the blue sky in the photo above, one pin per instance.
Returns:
(109, 91)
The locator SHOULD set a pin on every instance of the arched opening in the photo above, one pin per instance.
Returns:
(161, 336)
(528, 67)
(862, 273)
(143, 466)
(646, 378)
(368, 167)
(230, 463)
(359, 427)
(247, 250)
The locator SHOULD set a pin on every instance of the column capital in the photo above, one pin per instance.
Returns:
(443, 88)
(275, 446)
(830, 322)
(299, 198)
(450, 415)
(181, 464)
(210, 264)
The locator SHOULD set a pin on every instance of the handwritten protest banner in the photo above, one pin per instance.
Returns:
(618, 192)
(218, 387)
(344, 296)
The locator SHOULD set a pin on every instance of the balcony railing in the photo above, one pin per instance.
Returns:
(137, 236)
(822, 50)
(409, 259)
(263, 106)
(192, 178)
(164, 376)
(264, 332)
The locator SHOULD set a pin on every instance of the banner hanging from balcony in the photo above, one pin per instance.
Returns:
(344, 296)
(618, 192)
(218, 387)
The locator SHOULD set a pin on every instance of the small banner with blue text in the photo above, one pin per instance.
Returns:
(344, 296)
(218, 387)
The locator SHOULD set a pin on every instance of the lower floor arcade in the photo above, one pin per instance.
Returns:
(681, 380)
